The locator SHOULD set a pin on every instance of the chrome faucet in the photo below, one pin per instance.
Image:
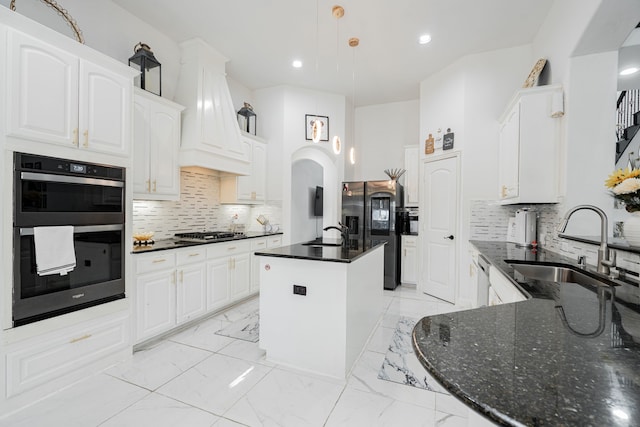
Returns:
(343, 229)
(606, 257)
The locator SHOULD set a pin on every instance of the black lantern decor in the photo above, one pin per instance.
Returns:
(247, 118)
(150, 78)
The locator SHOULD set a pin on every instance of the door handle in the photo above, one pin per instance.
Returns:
(450, 237)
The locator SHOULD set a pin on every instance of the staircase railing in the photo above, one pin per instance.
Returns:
(628, 104)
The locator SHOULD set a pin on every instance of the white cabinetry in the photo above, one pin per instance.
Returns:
(409, 261)
(191, 301)
(42, 359)
(156, 143)
(155, 294)
(210, 131)
(258, 245)
(502, 290)
(248, 189)
(230, 264)
(412, 175)
(56, 96)
(528, 168)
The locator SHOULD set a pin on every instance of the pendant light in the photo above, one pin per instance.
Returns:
(316, 124)
(337, 12)
(353, 42)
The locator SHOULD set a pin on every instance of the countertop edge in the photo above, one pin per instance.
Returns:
(147, 249)
(316, 258)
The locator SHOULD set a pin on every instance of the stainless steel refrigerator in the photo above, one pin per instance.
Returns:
(370, 209)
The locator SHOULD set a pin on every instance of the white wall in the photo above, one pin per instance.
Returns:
(469, 96)
(284, 109)
(305, 226)
(381, 132)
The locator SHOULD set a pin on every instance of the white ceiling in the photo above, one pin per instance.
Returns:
(262, 37)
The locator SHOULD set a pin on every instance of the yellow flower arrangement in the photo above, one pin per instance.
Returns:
(625, 186)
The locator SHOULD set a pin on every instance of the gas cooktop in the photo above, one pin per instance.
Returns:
(206, 236)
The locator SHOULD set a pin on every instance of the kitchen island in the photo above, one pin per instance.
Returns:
(319, 305)
(568, 355)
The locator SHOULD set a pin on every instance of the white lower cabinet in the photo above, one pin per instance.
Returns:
(42, 359)
(409, 261)
(256, 246)
(179, 285)
(501, 289)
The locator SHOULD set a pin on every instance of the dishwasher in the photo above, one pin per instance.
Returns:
(483, 281)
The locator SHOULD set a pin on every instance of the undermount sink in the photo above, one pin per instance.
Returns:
(553, 273)
(314, 244)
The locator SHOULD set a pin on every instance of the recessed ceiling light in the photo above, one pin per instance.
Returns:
(628, 71)
(297, 63)
(424, 39)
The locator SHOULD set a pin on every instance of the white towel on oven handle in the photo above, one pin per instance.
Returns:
(55, 252)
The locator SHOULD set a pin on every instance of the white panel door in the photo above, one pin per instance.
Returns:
(218, 282)
(191, 292)
(105, 107)
(43, 91)
(439, 221)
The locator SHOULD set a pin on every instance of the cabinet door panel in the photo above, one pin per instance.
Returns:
(218, 282)
(509, 160)
(43, 91)
(141, 155)
(245, 183)
(241, 272)
(259, 170)
(156, 303)
(105, 99)
(191, 293)
(164, 137)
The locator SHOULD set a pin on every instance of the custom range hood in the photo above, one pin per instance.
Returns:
(210, 133)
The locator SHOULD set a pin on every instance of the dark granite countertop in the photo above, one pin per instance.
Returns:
(164, 244)
(317, 253)
(569, 355)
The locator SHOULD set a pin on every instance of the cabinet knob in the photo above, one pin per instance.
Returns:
(267, 267)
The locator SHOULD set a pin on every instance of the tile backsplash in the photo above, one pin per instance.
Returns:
(489, 222)
(199, 209)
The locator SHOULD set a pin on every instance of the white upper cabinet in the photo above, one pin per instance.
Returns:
(529, 147)
(248, 189)
(412, 167)
(156, 143)
(59, 97)
(210, 134)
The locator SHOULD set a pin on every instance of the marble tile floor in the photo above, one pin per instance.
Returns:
(197, 378)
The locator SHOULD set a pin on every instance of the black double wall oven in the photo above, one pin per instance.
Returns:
(89, 197)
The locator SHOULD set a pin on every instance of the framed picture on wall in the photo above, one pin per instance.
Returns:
(324, 127)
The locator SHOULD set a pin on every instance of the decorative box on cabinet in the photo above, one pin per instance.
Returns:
(409, 260)
(247, 189)
(528, 169)
(412, 167)
(58, 96)
(156, 143)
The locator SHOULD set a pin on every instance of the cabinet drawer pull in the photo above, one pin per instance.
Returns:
(158, 261)
(196, 254)
(84, 337)
(232, 248)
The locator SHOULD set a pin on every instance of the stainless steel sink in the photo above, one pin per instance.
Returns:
(552, 273)
(321, 245)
